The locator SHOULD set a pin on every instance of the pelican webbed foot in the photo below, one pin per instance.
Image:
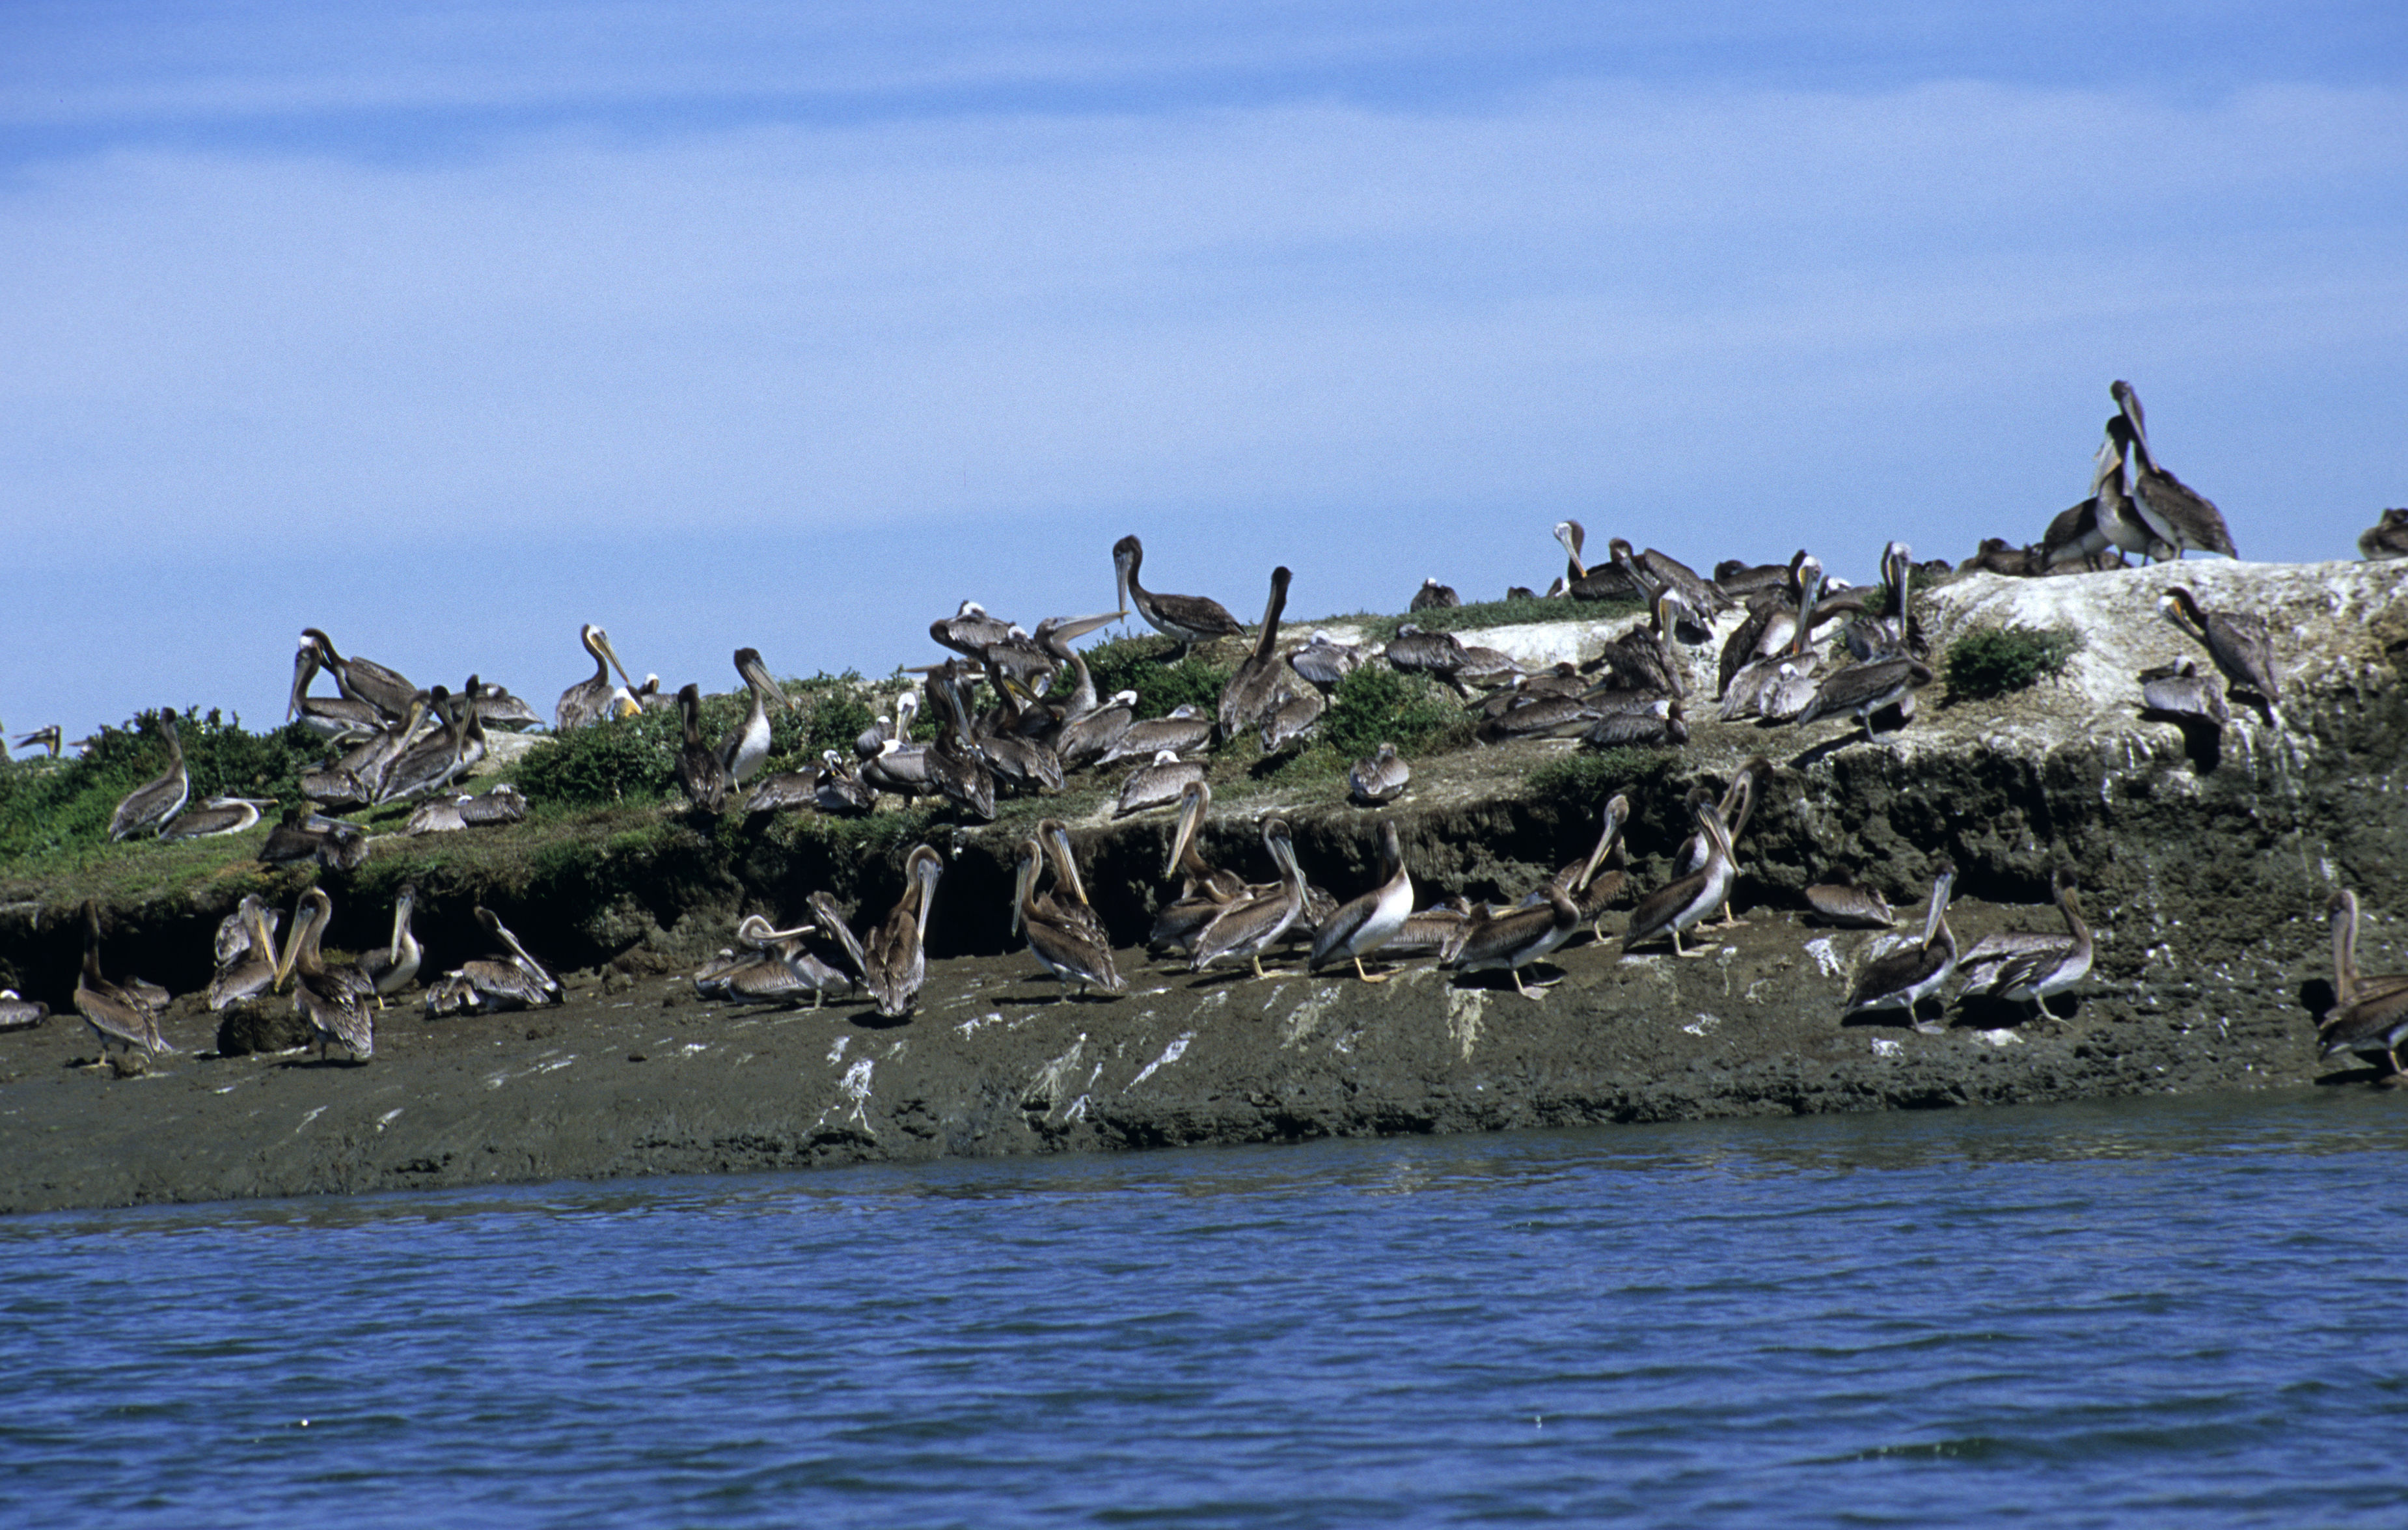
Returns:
(1367, 977)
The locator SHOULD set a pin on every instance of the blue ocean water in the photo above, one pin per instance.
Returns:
(2144, 1312)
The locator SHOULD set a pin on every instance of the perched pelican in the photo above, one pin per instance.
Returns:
(1436, 654)
(779, 969)
(2348, 982)
(591, 700)
(699, 767)
(1363, 926)
(335, 998)
(1254, 688)
(116, 1012)
(1191, 619)
(496, 708)
(2368, 1014)
(327, 715)
(1609, 582)
(742, 752)
(1906, 977)
(1865, 689)
(1185, 728)
(1324, 661)
(1652, 571)
(1248, 927)
(1738, 805)
(216, 816)
(247, 968)
(2175, 512)
(1291, 719)
(1085, 740)
(2028, 968)
(1770, 626)
(2106, 519)
(1157, 785)
(1844, 903)
(47, 738)
(1434, 596)
(1657, 724)
(2179, 691)
(970, 631)
(1593, 880)
(2386, 538)
(153, 803)
(363, 680)
(837, 787)
(394, 968)
(1382, 778)
(894, 958)
(1514, 939)
(1204, 890)
(513, 982)
(1685, 901)
(1063, 942)
(2236, 640)
(434, 760)
(503, 804)
(873, 738)
(21, 1014)
(358, 775)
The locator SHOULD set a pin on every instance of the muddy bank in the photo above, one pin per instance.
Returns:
(2205, 876)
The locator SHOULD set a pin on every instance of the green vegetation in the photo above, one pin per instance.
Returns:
(631, 758)
(1376, 705)
(1136, 664)
(1591, 776)
(51, 808)
(1996, 660)
(1486, 613)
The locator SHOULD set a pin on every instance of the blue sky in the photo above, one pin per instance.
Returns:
(447, 328)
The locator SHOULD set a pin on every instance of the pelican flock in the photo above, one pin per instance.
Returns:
(1014, 712)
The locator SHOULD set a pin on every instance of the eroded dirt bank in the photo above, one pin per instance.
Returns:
(2205, 878)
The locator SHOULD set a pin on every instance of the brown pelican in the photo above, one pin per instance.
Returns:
(2348, 982)
(1381, 779)
(1204, 890)
(1770, 625)
(742, 752)
(216, 816)
(334, 998)
(496, 708)
(1324, 661)
(1290, 721)
(591, 700)
(116, 1012)
(1651, 570)
(1608, 582)
(1249, 926)
(1062, 939)
(1738, 805)
(1514, 938)
(1542, 717)
(503, 804)
(2236, 640)
(1087, 739)
(1892, 633)
(1185, 728)
(1685, 901)
(777, 969)
(326, 715)
(249, 968)
(1157, 785)
(432, 763)
(1254, 688)
(2176, 513)
(2107, 519)
(21, 1014)
(1846, 904)
(2369, 1013)
(490, 983)
(895, 960)
(1741, 579)
(1633, 729)
(1997, 555)
(155, 802)
(396, 966)
(47, 739)
(837, 787)
(1593, 880)
(311, 836)
(1190, 619)
(363, 680)
(1363, 926)
(1644, 658)
(1436, 654)
(2180, 692)
(1904, 978)
(2386, 538)
(699, 767)
(970, 631)
(1865, 689)
(1434, 596)
(2028, 968)
(357, 777)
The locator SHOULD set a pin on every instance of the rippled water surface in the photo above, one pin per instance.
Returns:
(2145, 1312)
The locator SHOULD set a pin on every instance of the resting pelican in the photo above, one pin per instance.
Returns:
(363, 680)
(1685, 902)
(1061, 936)
(116, 1012)
(699, 767)
(2178, 514)
(393, 968)
(1381, 778)
(1906, 977)
(2236, 640)
(1254, 688)
(216, 816)
(1363, 926)
(1248, 927)
(743, 751)
(330, 716)
(2029, 968)
(335, 998)
(895, 958)
(2386, 538)
(1434, 596)
(153, 803)
(249, 969)
(591, 700)
(515, 981)
(1191, 619)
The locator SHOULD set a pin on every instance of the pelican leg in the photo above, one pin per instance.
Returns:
(1515, 973)
(1367, 977)
(1729, 921)
(1258, 960)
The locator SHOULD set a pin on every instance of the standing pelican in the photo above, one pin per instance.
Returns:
(393, 968)
(2178, 514)
(1592, 881)
(153, 803)
(2029, 968)
(1363, 926)
(699, 767)
(364, 679)
(334, 998)
(590, 700)
(247, 964)
(1906, 977)
(1191, 619)
(512, 981)
(1060, 939)
(326, 715)
(895, 958)
(1514, 939)
(2348, 982)
(116, 1012)
(743, 751)
(1685, 901)
(1248, 927)
(1254, 688)
(1865, 689)
(1738, 805)
(2236, 640)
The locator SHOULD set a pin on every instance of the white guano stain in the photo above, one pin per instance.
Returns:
(1827, 956)
(1884, 1047)
(1463, 1006)
(836, 1054)
(1044, 1091)
(1171, 1054)
(1704, 1024)
(1305, 1016)
(852, 1098)
(307, 1119)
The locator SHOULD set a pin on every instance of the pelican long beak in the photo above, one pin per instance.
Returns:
(1066, 865)
(1191, 818)
(1023, 880)
(1617, 813)
(305, 669)
(1564, 536)
(602, 642)
(291, 953)
(756, 674)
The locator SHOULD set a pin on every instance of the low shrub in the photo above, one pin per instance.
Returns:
(48, 805)
(1996, 660)
(1375, 705)
(1137, 663)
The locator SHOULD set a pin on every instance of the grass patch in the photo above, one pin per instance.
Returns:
(54, 809)
(1997, 661)
(1376, 705)
(627, 759)
(1485, 613)
(1591, 776)
(1137, 663)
